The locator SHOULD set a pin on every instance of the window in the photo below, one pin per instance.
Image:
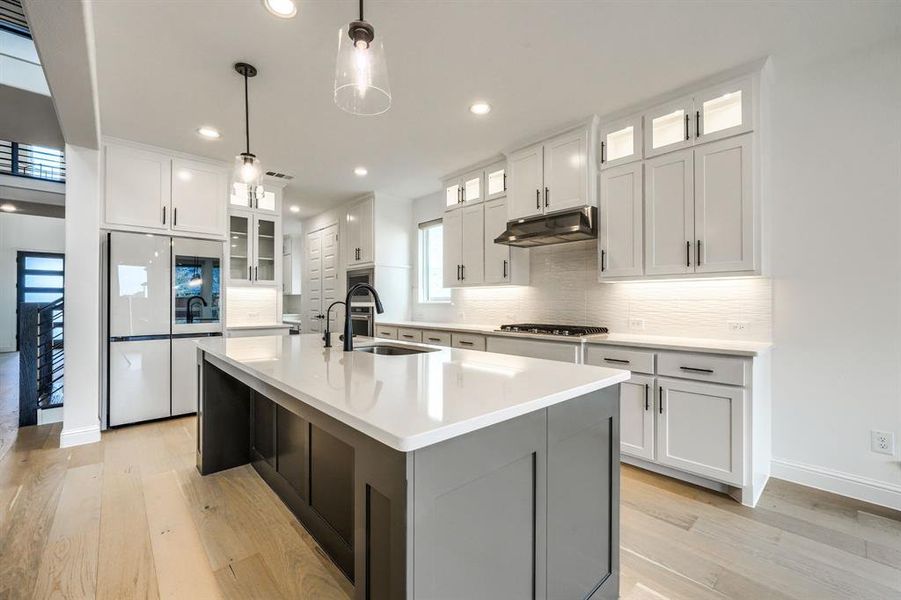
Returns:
(431, 254)
(40, 277)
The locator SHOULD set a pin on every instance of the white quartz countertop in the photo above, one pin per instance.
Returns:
(412, 401)
(259, 326)
(689, 344)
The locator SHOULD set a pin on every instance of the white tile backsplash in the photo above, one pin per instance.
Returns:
(251, 306)
(564, 289)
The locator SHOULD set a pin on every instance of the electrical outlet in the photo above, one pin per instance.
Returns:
(737, 326)
(882, 442)
(636, 324)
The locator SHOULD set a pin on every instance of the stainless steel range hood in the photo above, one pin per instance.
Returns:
(558, 228)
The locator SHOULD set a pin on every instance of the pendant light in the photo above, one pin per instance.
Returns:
(361, 73)
(248, 169)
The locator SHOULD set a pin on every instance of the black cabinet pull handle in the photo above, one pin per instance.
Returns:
(408, 336)
(697, 124)
(505, 268)
(603, 260)
(505, 181)
(603, 146)
(696, 370)
(434, 339)
(647, 403)
(538, 199)
(686, 126)
(465, 343)
(620, 361)
(164, 215)
(175, 216)
(661, 399)
(698, 254)
(687, 254)
(249, 273)
(547, 197)
(462, 271)
(256, 273)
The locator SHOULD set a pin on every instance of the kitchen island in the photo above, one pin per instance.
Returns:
(442, 473)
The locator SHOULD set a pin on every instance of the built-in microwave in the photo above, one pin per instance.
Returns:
(361, 297)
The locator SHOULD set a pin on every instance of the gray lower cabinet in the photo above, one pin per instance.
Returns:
(527, 508)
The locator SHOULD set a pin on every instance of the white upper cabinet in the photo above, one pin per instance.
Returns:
(621, 142)
(496, 181)
(526, 182)
(669, 214)
(724, 206)
(198, 190)
(453, 248)
(240, 247)
(472, 187)
(359, 236)
(240, 197)
(497, 256)
(620, 222)
(566, 183)
(453, 194)
(669, 127)
(724, 110)
(267, 250)
(137, 188)
(473, 252)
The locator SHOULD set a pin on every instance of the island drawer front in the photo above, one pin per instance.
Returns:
(615, 356)
(468, 341)
(409, 335)
(702, 367)
(382, 331)
(437, 338)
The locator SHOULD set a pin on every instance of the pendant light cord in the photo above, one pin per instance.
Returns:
(247, 113)
(361, 10)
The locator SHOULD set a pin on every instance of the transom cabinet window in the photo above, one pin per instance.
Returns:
(431, 256)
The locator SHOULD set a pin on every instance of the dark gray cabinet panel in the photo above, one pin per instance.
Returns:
(332, 482)
(583, 493)
(220, 421)
(378, 544)
(264, 428)
(291, 450)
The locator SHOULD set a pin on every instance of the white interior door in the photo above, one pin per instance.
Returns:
(140, 284)
(724, 206)
(139, 381)
(526, 182)
(473, 250)
(700, 429)
(636, 402)
(620, 230)
(452, 234)
(497, 256)
(331, 287)
(313, 250)
(184, 376)
(566, 171)
(669, 214)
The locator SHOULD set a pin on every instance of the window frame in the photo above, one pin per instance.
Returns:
(22, 272)
(425, 296)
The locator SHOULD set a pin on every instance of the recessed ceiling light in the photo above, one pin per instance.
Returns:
(294, 208)
(281, 8)
(480, 108)
(209, 133)
(8, 207)
(360, 171)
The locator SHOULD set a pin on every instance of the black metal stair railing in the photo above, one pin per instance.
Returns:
(50, 355)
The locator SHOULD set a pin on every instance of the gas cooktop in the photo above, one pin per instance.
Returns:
(545, 329)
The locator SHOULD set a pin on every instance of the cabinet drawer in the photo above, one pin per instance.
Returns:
(386, 332)
(719, 369)
(615, 356)
(467, 341)
(437, 338)
(409, 335)
(562, 351)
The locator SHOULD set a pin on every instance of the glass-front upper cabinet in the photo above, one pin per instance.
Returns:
(724, 110)
(472, 187)
(240, 260)
(669, 127)
(453, 194)
(262, 199)
(496, 181)
(621, 142)
(265, 268)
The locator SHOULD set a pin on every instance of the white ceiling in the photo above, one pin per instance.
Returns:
(165, 68)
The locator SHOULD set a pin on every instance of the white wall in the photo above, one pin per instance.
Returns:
(836, 246)
(22, 232)
(81, 405)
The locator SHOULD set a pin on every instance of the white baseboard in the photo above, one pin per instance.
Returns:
(50, 415)
(837, 482)
(79, 436)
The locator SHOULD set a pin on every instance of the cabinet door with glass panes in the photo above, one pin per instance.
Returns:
(264, 200)
(240, 247)
(724, 110)
(496, 181)
(621, 142)
(473, 188)
(669, 127)
(267, 253)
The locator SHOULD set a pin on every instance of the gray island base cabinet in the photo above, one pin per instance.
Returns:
(525, 508)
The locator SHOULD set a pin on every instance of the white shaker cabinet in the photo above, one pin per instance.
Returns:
(473, 188)
(724, 206)
(137, 188)
(724, 110)
(621, 142)
(496, 181)
(669, 213)
(198, 197)
(472, 270)
(669, 126)
(637, 403)
(358, 246)
(700, 429)
(452, 255)
(497, 256)
(566, 164)
(526, 182)
(620, 227)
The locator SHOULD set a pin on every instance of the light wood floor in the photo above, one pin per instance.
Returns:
(130, 517)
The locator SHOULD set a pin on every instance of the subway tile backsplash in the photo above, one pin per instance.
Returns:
(564, 289)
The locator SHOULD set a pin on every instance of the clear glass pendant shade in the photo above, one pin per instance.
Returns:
(361, 76)
(248, 170)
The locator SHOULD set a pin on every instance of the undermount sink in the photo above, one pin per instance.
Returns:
(392, 350)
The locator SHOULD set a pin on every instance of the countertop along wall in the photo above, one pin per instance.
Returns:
(22, 232)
